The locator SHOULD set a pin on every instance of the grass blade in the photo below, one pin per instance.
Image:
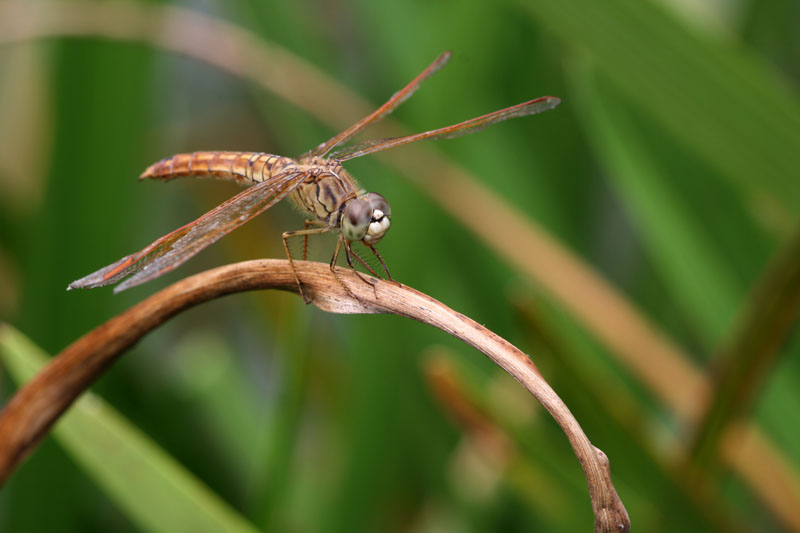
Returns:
(153, 490)
(681, 248)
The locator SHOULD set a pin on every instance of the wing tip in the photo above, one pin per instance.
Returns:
(550, 101)
(88, 282)
(105, 276)
(81, 283)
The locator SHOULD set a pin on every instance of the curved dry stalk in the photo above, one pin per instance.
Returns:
(35, 407)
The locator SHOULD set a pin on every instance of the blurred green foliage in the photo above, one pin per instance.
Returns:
(671, 167)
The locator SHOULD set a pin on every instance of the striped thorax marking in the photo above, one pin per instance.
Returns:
(325, 191)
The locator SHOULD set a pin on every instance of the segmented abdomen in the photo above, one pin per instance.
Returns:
(245, 168)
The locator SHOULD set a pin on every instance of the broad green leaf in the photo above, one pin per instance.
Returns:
(154, 491)
(722, 102)
(683, 251)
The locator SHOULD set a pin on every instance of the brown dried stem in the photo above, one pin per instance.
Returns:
(745, 362)
(35, 407)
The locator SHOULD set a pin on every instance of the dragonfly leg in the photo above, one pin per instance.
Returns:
(347, 253)
(364, 263)
(333, 267)
(305, 233)
(305, 237)
(374, 251)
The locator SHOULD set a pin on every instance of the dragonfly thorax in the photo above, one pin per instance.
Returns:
(366, 218)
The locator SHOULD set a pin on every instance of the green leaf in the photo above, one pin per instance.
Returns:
(651, 187)
(719, 100)
(153, 490)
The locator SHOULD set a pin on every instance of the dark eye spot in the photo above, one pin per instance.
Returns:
(357, 213)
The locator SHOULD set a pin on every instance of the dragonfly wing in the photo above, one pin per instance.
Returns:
(531, 107)
(175, 248)
(397, 98)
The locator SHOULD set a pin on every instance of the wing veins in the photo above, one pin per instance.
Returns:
(390, 105)
(175, 248)
(531, 107)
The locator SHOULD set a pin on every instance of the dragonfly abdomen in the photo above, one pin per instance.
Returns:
(245, 168)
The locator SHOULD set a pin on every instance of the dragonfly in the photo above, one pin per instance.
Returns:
(315, 181)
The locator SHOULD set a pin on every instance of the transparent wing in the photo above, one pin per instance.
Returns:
(175, 248)
(531, 107)
(397, 98)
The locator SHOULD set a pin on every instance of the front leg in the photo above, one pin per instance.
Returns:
(347, 253)
(363, 263)
(333, 266)
(305, 233)
(374, 251)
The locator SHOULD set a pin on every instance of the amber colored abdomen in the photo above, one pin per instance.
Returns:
(245, 168)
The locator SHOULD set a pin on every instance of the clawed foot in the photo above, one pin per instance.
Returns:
(372, 282)
(369, 281)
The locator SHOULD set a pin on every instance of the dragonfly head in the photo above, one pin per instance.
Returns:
(366, 218)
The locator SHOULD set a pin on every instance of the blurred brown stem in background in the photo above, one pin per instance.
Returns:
(32, 411)
(743, 365)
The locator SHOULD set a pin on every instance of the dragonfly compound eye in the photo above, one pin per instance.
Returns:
(356, 219)
(380, 218)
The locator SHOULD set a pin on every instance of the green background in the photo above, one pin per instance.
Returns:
(671, 169)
